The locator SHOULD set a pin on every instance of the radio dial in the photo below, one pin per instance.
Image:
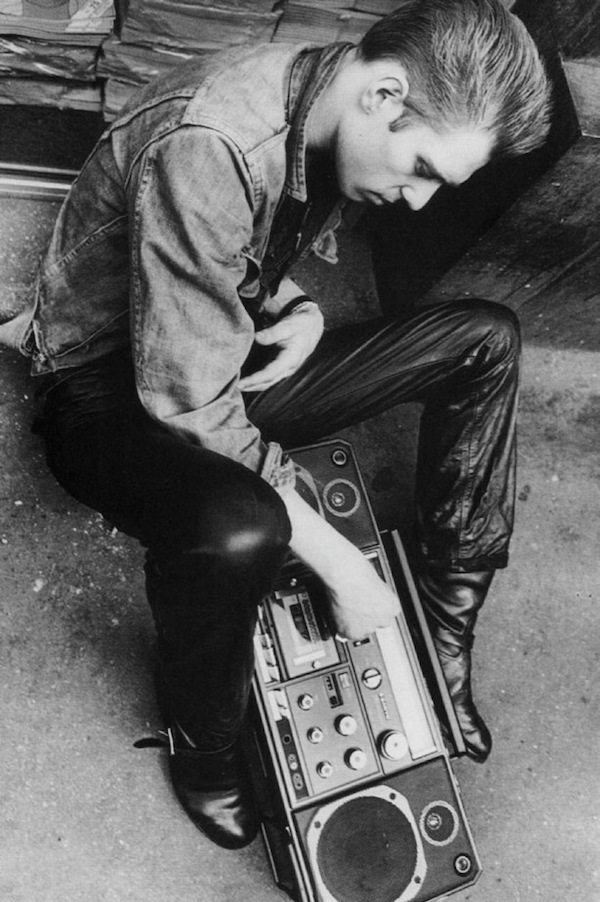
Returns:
(356, 759)
(372, 678)
(393, 745)
(346, 725)
(305, 701)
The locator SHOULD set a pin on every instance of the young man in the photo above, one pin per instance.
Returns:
(167, 266)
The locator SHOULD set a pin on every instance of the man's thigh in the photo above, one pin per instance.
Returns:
(145, 481)
(362, 369)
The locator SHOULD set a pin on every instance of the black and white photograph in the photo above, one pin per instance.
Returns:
(300, 431)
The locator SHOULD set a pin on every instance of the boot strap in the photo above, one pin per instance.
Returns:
(167, 741)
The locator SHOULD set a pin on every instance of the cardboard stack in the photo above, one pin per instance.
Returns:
(326, 21)
(157, 34)
(69, 53)
(48, 51)
(64, 22)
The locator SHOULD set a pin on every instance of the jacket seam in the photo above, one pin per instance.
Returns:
(44, 350)
(97, 235)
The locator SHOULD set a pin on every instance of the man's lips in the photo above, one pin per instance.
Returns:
(380, 200)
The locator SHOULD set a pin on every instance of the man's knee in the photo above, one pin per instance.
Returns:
(496, 327)
(241, 522)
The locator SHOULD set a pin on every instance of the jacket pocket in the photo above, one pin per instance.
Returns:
(83, 294)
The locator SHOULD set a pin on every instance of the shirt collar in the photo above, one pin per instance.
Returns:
(312, 71)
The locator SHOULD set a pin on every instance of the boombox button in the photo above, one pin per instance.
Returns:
(324, 769)
(339, 457)
(298, 781)
(355, 759)
(315, 734)
(462, 864)
(393, 745)
(305, 701)
(346, 725)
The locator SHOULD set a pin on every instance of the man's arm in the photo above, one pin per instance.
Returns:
(360, 601)
(192, 217)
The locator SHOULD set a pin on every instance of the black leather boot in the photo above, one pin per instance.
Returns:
(206, 761)
(205, 619)
(214, 790)
(451, 602)
(205, 607)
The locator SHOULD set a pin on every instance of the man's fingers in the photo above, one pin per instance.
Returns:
(295, 337)
(277, 333)
(272, 373)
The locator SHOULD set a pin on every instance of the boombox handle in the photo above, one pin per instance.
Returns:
(421, 635)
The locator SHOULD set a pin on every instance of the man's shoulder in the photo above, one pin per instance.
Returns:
(241, 91)
(244, 92)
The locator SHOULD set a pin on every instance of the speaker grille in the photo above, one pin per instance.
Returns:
(341, 497)
(367, 851)
(439, 823)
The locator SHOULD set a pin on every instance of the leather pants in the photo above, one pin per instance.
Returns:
(216, 534)
(461, 360)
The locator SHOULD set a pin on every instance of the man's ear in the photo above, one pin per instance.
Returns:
(386, 94)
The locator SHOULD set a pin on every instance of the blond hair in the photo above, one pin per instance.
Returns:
(470, 63)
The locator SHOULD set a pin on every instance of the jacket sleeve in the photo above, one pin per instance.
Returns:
(192, 217)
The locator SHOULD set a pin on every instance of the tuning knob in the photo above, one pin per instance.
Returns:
(346, 725)
(355, 759)
(393, 745)
(324, 769)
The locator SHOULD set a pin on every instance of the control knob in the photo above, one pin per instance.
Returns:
(372, 678)
(346, 725)
(324, 769)
(393, 745)
(355, 759)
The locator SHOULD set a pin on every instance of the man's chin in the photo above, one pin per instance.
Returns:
(364, 196)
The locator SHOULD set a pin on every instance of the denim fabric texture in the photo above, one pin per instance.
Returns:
(161, 240)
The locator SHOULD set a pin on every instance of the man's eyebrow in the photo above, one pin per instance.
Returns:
(430, 172)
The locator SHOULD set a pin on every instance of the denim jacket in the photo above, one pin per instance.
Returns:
(160, 242)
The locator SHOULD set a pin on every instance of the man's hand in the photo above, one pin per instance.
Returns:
(296, 336)
(360, 602)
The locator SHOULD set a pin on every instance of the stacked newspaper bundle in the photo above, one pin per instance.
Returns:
(379, 7)
(326, 21)
(23, 57)
(127, 66)
(198, 25)
(61, 21)
(157, 34)
(48, 51)
(49, 48)
(56, 92)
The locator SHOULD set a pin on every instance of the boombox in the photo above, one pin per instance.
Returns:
(352, 741)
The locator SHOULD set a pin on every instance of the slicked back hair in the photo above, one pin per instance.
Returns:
(470, 63)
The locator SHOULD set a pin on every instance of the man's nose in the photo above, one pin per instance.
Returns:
(419, 194)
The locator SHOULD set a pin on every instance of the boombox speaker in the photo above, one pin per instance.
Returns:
(353, 778)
